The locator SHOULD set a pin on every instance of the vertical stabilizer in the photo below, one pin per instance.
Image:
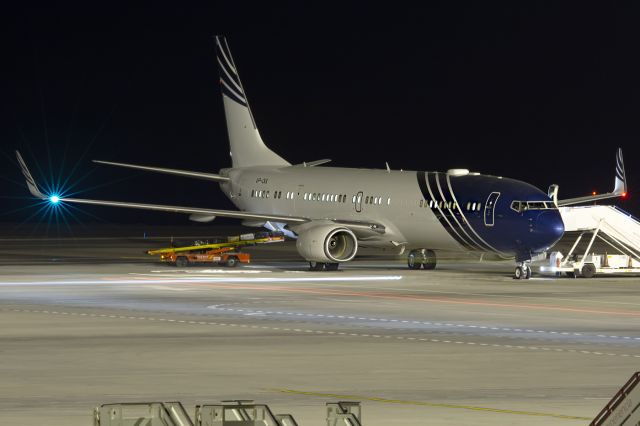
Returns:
(247, 147)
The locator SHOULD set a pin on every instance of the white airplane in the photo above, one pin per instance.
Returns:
(332, 211)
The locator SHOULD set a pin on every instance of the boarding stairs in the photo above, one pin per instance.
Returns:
(624, 407)
(610, 224)
(344, 413)
(228, 413)
(141, 414)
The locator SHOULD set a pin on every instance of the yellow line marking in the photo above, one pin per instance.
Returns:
(430, 404)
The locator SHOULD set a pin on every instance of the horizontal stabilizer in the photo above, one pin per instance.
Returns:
(313, 163)
(176, 172)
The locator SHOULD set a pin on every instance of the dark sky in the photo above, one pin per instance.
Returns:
(536, 91)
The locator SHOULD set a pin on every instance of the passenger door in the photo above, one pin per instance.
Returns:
(359, 197)
(489, 208)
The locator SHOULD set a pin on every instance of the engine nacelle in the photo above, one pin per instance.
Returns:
(328, 244)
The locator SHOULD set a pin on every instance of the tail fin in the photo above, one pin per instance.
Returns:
(247, 147)
(621, 177)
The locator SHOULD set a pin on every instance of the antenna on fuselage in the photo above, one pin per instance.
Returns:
(388, 169)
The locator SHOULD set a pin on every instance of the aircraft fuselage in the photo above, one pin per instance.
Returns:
(435, 210)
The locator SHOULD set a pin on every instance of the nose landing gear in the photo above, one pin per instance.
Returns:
(522, 272)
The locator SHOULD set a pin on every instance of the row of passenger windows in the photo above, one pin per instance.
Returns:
(450, 205)
(262, 193)
(369, 199)
(265, 194)
(322, 197)
(332, 198)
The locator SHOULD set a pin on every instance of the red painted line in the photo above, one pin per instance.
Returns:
(381, 295)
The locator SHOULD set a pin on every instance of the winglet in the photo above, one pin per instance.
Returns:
(620, 187)
(31, 183)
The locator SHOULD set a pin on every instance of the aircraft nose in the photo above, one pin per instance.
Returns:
(549, 228)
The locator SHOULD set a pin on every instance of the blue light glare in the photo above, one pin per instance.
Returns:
(54, 199)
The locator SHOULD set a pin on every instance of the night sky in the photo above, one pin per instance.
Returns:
(540, 92)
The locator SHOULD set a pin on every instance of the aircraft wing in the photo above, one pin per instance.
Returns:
(196, 212)
(177, 172)
(619, 189)
(362, 229)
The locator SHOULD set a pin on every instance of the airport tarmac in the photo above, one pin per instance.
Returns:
(93, 320)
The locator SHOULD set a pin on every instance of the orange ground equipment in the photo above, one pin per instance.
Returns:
(221, 251)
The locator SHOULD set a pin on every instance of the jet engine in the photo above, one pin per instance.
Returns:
(328, 244)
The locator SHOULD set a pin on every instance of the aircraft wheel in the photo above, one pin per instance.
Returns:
(332, 266)
(430, 260)
(232, 262)
(588, 270)
(316, 266)
(527, 275)
(519, 273)
(413, 261)
(182, 262)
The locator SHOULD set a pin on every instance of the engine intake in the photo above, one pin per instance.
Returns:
(327, 243)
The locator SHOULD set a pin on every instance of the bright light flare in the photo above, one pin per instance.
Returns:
(623, 195)
(54, 199)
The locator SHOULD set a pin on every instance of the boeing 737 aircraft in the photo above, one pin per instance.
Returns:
(332, 211)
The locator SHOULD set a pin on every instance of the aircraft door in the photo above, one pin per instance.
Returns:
(358, 202)
(489, 208)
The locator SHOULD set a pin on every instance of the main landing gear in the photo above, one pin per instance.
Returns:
(421, 258)
(522, 272)
(321, 266)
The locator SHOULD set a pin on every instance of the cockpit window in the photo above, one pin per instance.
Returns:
(536, 205)
(520, 206)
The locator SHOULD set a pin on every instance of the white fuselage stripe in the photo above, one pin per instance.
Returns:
(469, 223)
(473, 242)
